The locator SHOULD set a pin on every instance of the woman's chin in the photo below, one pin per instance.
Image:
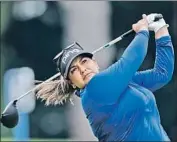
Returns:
(89, 77)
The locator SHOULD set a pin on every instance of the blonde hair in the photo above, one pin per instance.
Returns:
(55, 92)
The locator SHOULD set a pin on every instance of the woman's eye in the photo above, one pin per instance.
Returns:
(84, 60)
(73, 70)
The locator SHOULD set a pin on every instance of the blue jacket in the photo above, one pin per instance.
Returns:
(119, 103)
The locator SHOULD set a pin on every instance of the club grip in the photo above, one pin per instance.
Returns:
(158, 17)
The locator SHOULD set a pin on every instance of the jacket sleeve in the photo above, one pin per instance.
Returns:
(161, 74)
(110, 83)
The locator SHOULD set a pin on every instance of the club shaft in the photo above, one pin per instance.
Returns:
(113, 41)
(37, 86)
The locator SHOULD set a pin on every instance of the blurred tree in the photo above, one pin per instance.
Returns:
(36, 41)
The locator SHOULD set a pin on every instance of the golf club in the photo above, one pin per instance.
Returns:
(9, 117)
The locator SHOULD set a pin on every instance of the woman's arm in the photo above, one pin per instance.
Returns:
(162, 72)
(107, 86)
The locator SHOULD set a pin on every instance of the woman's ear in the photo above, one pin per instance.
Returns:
(74, 86)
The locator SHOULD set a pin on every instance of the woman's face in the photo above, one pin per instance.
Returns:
(82, 70)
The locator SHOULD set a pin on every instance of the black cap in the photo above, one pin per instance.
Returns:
(66, 57)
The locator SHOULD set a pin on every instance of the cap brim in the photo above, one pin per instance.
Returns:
(87, 54)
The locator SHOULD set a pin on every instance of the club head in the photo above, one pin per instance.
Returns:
(10, 117)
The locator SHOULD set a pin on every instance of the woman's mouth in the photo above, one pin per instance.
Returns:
(87, 75)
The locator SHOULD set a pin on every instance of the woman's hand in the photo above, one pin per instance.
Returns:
(141, 24)
(159, 27)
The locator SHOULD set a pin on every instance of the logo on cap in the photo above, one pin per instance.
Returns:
(65, 57)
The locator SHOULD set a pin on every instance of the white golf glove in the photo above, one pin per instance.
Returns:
(155, 26)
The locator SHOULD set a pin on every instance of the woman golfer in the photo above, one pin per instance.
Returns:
(118, 102)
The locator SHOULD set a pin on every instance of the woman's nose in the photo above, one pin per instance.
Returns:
(82, 69)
